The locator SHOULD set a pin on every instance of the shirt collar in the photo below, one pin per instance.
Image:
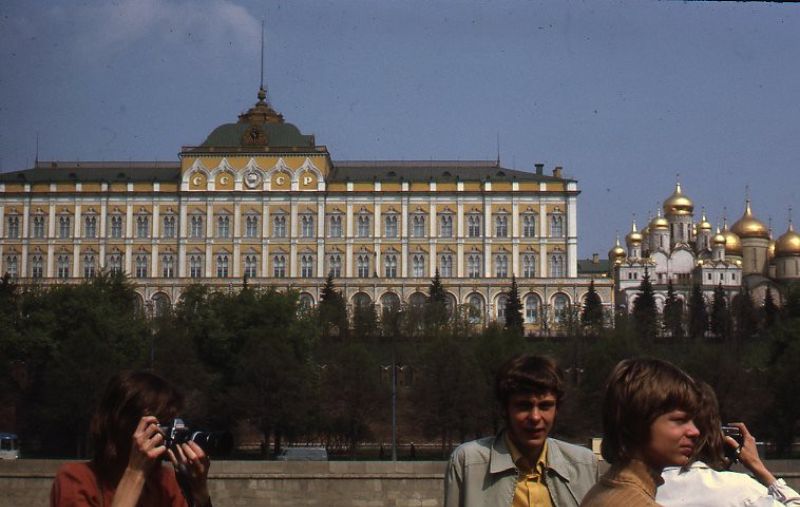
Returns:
(524, 462)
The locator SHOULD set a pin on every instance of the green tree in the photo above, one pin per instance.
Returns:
(744, 315)
(769, 310)
(720, 314)
(698, 314)
(673, 313)
(645, 313)
(332, 311)
(791, 305)
(436, 313)
(365, 321)
(513, 312)
(592, 315)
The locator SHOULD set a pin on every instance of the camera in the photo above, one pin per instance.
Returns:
(177, 432)
(735, 433)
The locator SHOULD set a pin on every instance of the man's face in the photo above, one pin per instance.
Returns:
(530, 419)
(672, 439)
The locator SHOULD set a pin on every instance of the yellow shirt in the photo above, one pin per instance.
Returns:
(531, 491)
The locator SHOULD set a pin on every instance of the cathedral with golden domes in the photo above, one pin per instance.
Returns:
(674, 248)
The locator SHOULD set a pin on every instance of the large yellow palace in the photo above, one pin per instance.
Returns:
(259, 200)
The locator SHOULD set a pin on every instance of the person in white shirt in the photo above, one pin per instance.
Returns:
(707, 482)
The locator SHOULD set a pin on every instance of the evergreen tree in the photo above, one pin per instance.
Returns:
(770, 310)
(436, 314)
(513, 313)
(744, 315)
(791, 305)
(720, 314)
(592, 315)
(645, 313)
(673, 313)
(698, 314)
(332, 311)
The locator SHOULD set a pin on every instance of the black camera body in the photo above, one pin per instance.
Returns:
(735, 433)
(212, 442)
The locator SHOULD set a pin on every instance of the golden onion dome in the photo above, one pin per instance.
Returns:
(733, 245)
(617, 254)
(749, 226)
(704, 224)
(634, 236)
(678, 203)
(659, 222)
(719, 238)
(788, 244)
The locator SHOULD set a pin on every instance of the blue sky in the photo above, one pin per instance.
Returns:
(623, 95)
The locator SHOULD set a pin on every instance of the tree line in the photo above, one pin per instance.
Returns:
(259, 358)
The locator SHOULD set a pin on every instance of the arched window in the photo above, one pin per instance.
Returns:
(13, 227)
(37, 266)
(89, 267)
(418, 265)
(90, 226)
(529, 266)
(528, 225)
(141, 266)
(12, 266)
(474, 265)
(114, 263)
(363, 225)
(501, 226)
(62, 266)
(251, 226)
(390, 226)
(197, 227)
(362, 265)
(222, 266)
(250, 266)
(307, 226)
(418, 230)
(475, 302)
(161, 304)
(169, 227)
(532, 304)
(279, 266)
(418, 300)
(556, 265)
(362, 300)
(335, 226)
(557, 225)
(168, 266)
(446, 225)
(500, 307)
(446, 265)
(38, 227)
(501, 266)
(305, 301)
(196, 266)
(223, 226)
(279, 226)
(307, 266)
(142, 226)
(560, 308)
(390, 302)
(474, 225)
(63, 226)
(390, 266)
(335, 265)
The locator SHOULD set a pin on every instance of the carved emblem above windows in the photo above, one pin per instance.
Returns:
(254, 136)
(252, 178)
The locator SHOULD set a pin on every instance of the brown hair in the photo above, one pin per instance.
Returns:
(710, 446)
(128, 396)
(638, 391)
(528, 374)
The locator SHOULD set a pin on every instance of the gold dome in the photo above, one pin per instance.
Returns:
(733, 245)
(634, 236)
(749, 226)
(788, 244)
(704, 224)
(719, 238)
(659, 222)
(617, 253)
(771, 250)
(677, 203)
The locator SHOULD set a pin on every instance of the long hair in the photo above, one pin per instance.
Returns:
(710, 446)
(528, 374)
(129, 396)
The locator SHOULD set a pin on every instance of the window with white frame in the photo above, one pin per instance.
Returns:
(335, 226)
(363, 225)
(12, 265)
(474, 265)
(446, 265)
(502, 303)
(532, 304)
(501, 265)
(168, 230)
(556, 265)
(307, 266)
(560, 308)
(528, 265)
(307, 226)
(196, 229)
(251, 226)
(196, 266)
(142, 226)
(223, 226)
(418, 225)
(90, 226)
(362, 265)
(62, 266)
(557, 225)
(279, 226)
(390, 265)
(250, 266)
(390, 225)
(446, 225)
(222, 266)
(63, 226)
(279, 266)
(114, 263)
(115, 225)
(37, 266)
(418, 265)
(168, 266)
(528, 225)
(141, 266)
(474, 225)
(335, 265)
(475, 302)
(501, 226)
(89, 266)
(38, 226)
(12, 227)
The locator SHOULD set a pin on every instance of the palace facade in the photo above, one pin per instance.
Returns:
(259, 200)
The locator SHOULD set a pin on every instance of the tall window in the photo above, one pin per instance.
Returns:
(501, 265)
(474, 266)
(142, 226)
(168, 266)
(556, 265)
(362, 265)
(251, 226)
(223, 226)
(501, 226)
(38, 226)
(390, 266)
(250, 266)
(307, 266)
(446, 226)
(363, 225)
(168, 230)
(90, 226)
(560, 304)
(13, 227)
(63, 226)
(89, 268)
(418, 226)
(446, 265)
(197, 226)
(528, 225)
(279, 266)
(116, 226)
(37, 266)
(335, 226)
(141, 266)
(222, 266)
(12, 266)
(531, 309)
(62, 266)
(307, 226)
(196, 266)
(390, 226)
(557, 225)
(418, 265)
(279, 226)
(475, 302)
(335, 265)
(114, 263)
(528, 266)
(474, 225)
(502, 302)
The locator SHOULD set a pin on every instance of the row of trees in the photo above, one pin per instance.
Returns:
(258, 359)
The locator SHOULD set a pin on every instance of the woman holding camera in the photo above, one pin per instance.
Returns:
(127, 468)
(706, 481)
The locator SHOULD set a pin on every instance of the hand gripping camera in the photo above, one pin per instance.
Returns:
(216, 443)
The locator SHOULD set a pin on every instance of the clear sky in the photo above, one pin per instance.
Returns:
(623, 95)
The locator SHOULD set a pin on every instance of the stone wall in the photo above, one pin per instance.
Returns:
(278, 484)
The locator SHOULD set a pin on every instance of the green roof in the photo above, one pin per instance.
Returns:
(438, 170)
(81, 172)
(284, 135)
